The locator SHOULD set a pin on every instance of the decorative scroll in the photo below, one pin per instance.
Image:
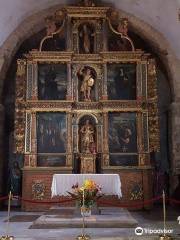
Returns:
(154, 135)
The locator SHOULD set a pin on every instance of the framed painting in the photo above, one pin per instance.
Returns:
(51, 132)
(52, 81)
(121, 81)
(122, 133)
(51, 161)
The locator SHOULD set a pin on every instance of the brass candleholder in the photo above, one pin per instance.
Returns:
(83, 236)
(7, 237)
(164, 236)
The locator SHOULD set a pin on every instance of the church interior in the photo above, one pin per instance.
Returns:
(89, 133)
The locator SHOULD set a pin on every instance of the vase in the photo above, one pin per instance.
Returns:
(86, 211)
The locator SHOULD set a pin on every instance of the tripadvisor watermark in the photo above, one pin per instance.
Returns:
(140, 231)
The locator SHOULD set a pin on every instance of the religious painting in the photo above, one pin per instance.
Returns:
(86, 38)
(87, 80)
(51, 132)
(52, 81)
(118, 43)
(122, 133)
(55, 39)
(123, 160)
(51, 161)
(121, 81)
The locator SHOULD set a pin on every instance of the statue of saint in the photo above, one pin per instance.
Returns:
(86, 35)
(87, 83)
(87, 137)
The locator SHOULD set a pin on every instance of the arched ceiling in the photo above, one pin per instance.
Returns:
(160, 14)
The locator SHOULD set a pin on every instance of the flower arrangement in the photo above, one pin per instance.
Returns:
(90, 190)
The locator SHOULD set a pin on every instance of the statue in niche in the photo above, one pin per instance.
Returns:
(87, 82)
(87, 138)
(86, 38)
(87, 3)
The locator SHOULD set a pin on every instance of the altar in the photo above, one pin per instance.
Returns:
(62, 183)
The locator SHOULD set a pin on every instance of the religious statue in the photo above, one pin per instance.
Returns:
(86, 35)
(87, 138)
(87, 82)
(87, 3)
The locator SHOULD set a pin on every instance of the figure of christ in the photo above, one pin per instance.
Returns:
(87, 137)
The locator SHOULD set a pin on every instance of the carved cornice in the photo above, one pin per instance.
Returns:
(54, 56)
(86, 12)
(49, 106)
(124, 56)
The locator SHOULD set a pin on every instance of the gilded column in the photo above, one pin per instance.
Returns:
(69, 140)
(105, 140)
(35, 82)
(104, 83)
(33, 158)
(69, 95)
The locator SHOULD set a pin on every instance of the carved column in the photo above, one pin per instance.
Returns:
(104, 83)
(105, 141)
(153, 120)
(69, 95)
(69, 140)
(35, 82)
(105, 47)
(33, 156)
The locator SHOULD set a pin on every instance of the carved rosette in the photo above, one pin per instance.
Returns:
(154, 136)
(19, 133)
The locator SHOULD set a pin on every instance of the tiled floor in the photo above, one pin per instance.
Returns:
(147, 220)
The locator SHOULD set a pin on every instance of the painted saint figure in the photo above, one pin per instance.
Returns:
(87, 83)
(87, 137)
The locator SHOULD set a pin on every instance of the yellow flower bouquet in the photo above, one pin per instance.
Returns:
(90, 190)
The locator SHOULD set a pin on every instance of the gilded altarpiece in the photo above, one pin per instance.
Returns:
(87, 109)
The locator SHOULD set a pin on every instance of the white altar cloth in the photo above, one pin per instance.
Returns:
(62, 183)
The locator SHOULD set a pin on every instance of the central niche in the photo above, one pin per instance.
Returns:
(87, 135)
(86, 38)
(87, 84)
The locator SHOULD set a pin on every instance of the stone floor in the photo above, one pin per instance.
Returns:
(148, 220)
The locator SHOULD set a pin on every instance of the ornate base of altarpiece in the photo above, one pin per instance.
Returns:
(137, 184)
